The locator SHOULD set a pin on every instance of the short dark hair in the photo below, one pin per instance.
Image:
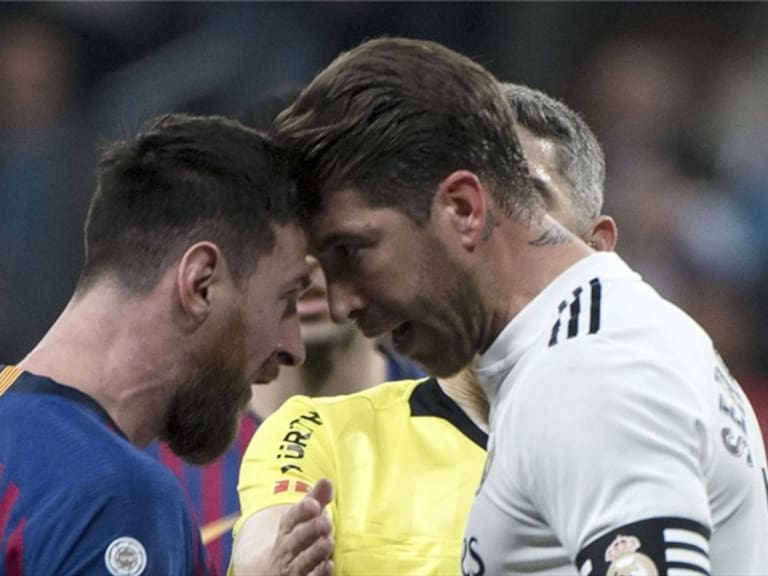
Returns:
(184, 179)
(579, 155)
(393, 117)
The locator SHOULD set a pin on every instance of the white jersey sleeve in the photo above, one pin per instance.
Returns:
(612, 447)
(619, 442)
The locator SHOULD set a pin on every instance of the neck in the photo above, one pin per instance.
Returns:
(338, 368)
(466, 392)
(544, 252)
(100, 346)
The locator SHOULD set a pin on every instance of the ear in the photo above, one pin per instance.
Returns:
(603, 234)
(200, 267)
(462, 201)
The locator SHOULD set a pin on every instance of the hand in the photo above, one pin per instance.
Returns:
(303, 545)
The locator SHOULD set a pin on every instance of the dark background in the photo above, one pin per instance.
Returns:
(676, 92)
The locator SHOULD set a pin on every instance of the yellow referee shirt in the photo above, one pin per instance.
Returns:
(405, 461)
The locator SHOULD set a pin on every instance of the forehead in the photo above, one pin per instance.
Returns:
(346, 213)
(286, 263)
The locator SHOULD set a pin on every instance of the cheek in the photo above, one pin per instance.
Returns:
(262, 330)
(399, 282)
(447, 292)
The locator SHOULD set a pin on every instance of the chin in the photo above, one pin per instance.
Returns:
(200, 448)
(204, 417)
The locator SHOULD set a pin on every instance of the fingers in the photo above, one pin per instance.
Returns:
(301, 512)
(310, 506)
(322, 492)
(323, 569)
(310, 534)
(312, 555)
(303, 545)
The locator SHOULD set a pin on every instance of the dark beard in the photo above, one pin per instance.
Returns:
(456, 326)
(204, 415)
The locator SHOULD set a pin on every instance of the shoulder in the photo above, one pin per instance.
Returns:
(303, 422)
(78, 446)
(118, 505)
(127, 474)
(622, 335)
(380, 396)
(614, 391)
(375, 399)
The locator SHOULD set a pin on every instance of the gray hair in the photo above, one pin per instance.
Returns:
(579, 155)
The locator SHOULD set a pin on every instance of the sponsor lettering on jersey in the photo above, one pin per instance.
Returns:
(732, 405)
(294, 443)
(471, 562)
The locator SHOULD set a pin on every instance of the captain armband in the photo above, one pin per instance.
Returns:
(656, 547)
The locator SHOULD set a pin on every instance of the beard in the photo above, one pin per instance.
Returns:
(205, 412)
(451, 334)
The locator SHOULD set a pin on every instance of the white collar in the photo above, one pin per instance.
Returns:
(539, 315)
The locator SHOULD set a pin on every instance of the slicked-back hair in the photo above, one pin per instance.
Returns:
(579, 155)
(181, 180)
(393, 117)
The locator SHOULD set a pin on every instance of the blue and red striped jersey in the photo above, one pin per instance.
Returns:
(77, 498)
(211, 490)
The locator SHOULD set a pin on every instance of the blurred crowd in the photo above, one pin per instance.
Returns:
(677, 94)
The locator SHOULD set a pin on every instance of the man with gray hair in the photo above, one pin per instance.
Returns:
(565, 161)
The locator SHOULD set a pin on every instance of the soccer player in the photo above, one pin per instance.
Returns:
(414, 449)
(617, 437)
(339, 359)
(193, 262)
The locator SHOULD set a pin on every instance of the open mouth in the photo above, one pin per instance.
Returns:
(402, 337)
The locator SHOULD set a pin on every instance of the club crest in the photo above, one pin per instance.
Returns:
(625, 560)
(125, 556)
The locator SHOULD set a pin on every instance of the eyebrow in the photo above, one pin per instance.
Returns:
(338, 238)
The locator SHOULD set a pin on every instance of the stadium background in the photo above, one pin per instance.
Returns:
(676, 92)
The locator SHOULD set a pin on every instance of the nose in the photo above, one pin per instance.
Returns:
(343, 301)
(290, 346)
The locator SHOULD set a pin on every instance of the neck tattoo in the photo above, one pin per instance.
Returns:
(552, 236)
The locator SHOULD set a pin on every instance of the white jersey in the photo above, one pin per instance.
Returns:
(619, 442)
